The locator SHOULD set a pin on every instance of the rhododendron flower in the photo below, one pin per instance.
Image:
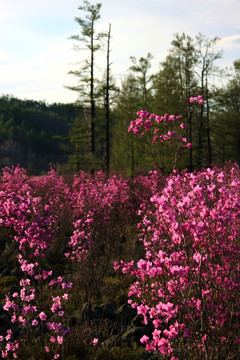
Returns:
(65, 296)
(183, 126)
(42, 316)
(52, 339)
(60, 339)
(144, 339)
(95, 341)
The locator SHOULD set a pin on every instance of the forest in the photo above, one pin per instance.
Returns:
(119, 213)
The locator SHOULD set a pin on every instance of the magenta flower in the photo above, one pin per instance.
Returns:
(42, 316)
(60, 339)
(95, 341)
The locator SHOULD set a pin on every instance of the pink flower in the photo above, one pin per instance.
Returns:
(95, 341)
(42, 316)
(60, 339)
(197, 257)
(65, 296)
(144, 339)
(52, 339)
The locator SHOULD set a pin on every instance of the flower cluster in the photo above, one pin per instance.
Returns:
(162, 134)
(95, 201)
(31, 224)
(147, 121)
(43, 215)
(187, 285)
(198, 99)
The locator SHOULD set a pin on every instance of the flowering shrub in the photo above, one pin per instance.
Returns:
(185, 274)
(46, 218)
(29, 307)
(188, 283)
(95, 203)
(159, 136)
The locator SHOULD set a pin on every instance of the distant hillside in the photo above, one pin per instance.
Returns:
(31, 133)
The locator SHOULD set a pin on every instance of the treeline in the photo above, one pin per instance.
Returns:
(35, 134)
(91, 134)
(30, 132)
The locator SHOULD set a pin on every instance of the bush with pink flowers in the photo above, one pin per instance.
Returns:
(187, 284)
(174, 237)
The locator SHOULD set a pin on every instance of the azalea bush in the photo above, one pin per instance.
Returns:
(162, 137)
(36, 307)
(60, 233)
(174, 238)
(187, 284)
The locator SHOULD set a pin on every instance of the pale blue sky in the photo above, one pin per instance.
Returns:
(36, 54)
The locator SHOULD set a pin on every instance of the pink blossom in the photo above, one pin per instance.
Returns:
(144, 339)
(52, 339)
(60, 339)
(95, 341)
(42, 316)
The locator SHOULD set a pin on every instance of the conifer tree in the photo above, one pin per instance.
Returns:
(89, 40)
(141, 68)
(206, 69)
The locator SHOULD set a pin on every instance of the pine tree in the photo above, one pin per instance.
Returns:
(206, 69)
(91, 41)
(141, 68)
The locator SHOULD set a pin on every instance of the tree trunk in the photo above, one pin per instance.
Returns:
(92, 107)
(107, 107)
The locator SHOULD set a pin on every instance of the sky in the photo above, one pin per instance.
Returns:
(36, 53)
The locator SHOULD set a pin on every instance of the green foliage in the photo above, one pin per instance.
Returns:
(141, 68)
(30, 133)
(91, 41)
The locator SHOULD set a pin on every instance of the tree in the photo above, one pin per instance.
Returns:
(107, 105)
(206, 59)
(226, 119)
(167, 88)
(92, 42)
(79, 142)
(184, 51)
(141, 68)
(124, 157)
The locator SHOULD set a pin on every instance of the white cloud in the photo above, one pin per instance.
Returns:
(232, 41)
